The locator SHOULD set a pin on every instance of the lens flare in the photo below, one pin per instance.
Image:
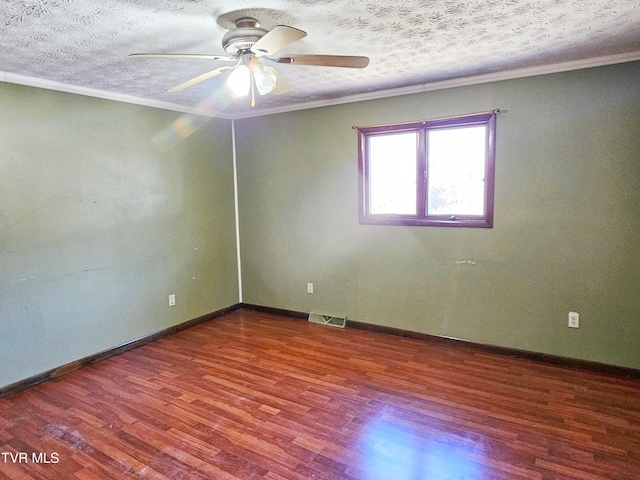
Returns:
(188, 123)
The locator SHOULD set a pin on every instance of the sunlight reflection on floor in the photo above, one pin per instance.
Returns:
(393, 450)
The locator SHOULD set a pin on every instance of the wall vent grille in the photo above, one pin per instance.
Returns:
(326, 319)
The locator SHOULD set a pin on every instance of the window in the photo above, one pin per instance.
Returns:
(434, 172)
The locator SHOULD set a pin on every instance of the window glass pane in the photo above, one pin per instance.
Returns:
(392, 173)
(456, 163)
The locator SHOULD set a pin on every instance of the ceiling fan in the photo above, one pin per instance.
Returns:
(247, 46)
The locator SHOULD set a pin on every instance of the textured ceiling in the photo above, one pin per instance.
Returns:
(86, 43)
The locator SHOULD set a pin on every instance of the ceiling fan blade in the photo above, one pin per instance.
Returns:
(326, 60)
(185, 55)
(281, 84)
(198, 79)
(276, 39)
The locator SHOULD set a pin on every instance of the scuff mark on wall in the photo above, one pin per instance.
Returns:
(465, 262)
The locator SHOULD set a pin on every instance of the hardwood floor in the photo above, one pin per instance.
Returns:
(252, 395)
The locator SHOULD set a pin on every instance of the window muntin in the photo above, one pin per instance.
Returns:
(437, 172)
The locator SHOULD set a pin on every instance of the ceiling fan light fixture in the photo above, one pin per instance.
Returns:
(239, 81)
(245, 45)
(265, 79)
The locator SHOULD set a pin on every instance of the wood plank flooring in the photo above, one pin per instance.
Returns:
(257, 396)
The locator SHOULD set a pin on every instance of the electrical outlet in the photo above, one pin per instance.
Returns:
(574, 320)
(309, 287)
(172, 300)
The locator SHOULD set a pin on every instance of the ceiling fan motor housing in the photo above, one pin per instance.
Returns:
(247, 33)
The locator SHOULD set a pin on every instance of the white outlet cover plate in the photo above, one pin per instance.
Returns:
(574, 320)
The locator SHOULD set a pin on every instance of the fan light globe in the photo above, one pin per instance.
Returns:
(265, 79)
(239, 81)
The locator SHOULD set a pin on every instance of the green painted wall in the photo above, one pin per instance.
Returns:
(98, 226)
(567, 220)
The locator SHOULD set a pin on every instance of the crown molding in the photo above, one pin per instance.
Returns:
(8, 77)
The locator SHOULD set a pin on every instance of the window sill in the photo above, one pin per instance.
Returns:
(473, 222)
